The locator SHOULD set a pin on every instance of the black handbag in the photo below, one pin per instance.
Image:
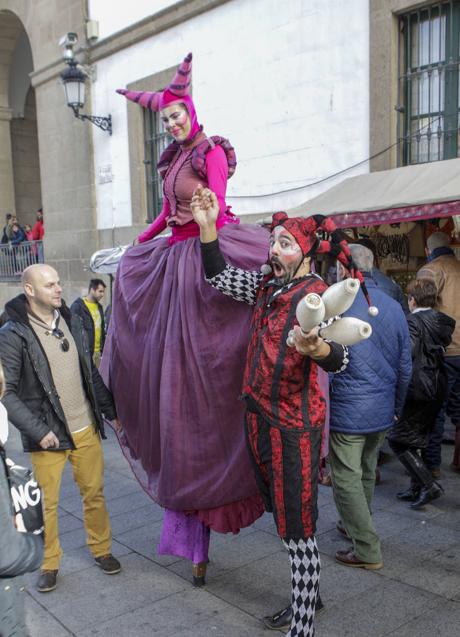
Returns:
(26, 497)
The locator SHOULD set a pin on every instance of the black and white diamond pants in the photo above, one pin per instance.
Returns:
(305, 568)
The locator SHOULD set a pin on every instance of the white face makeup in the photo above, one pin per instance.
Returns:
(285, 254)
(177, 121)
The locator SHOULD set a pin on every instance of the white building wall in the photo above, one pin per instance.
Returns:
(289, 87)
(116, 17)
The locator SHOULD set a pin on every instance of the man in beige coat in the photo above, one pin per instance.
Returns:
(444, 269)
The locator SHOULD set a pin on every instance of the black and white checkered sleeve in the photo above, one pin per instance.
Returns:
(240, 284)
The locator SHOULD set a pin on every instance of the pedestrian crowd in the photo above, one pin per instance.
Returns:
(19, 247)
(14, 233)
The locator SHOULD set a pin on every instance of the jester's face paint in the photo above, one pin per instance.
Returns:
(177, 121)
(285, 255)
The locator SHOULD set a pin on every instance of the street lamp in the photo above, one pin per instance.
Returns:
(74, 79)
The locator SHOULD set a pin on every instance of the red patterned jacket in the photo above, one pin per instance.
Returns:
(278, 381)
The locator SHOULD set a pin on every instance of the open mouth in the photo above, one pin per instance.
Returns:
(278, 269)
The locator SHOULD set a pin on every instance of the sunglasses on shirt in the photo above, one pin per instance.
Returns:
(59, 334)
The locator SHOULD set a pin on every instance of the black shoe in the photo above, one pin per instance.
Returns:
(109, 564)
(282, 619)
(46, 581)
(409, 495)
(427, 494)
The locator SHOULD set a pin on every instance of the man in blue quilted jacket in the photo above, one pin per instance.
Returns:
(365, 400)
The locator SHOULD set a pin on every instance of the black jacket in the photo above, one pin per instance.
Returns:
(79, 307)
(430, 331)
(438, 328)
(31, 398)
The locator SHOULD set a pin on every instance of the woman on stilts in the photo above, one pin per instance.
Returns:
(175, 352)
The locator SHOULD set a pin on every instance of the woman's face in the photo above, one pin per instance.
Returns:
(177, 121)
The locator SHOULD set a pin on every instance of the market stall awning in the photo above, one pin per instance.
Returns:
(410, 193)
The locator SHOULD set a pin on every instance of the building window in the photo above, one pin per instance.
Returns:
(429, 93)
(155, 141)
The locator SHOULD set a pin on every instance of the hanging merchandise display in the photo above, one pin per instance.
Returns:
(395, 246)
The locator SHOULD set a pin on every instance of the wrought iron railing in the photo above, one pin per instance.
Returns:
(15, 259)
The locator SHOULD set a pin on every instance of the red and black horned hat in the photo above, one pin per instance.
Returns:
(304, 230)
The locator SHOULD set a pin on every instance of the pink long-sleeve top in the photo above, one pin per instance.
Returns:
(179, 185)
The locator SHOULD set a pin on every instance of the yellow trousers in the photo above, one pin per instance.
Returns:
(88, 471)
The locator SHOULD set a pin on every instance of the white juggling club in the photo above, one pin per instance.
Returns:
(347, 331)
(310, 311)
(339, 297)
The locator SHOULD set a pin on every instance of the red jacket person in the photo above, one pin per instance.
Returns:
(285, 407)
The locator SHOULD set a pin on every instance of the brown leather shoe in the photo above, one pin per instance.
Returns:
(348, 558)
(46, 581)
(109, 564)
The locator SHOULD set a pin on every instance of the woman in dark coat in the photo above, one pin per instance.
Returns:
(430, 333)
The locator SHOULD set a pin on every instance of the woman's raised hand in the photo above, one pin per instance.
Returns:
(204, 206)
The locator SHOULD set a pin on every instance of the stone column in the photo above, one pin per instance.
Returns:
(7, 202)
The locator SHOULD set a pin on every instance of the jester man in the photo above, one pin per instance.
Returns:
(285, 408)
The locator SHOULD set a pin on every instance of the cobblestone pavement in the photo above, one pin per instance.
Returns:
(417, 594)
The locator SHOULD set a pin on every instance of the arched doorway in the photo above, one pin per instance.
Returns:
(20, 188)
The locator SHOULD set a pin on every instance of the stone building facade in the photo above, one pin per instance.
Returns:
(306, 95)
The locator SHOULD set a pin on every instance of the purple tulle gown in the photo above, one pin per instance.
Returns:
(174, 359)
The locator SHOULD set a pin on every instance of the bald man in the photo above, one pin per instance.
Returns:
(56, 398)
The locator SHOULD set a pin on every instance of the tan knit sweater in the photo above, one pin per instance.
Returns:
(65, 370)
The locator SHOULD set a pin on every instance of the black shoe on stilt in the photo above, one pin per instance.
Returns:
(199, 573)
